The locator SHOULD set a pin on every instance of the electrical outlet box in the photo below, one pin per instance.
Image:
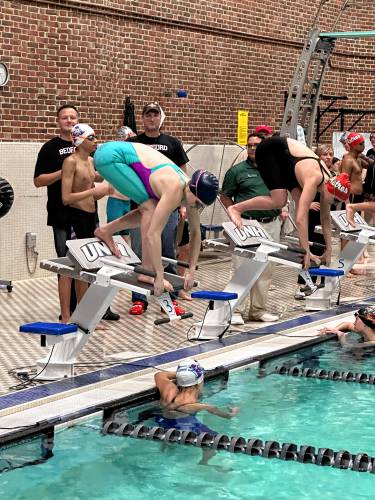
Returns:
(30, 240)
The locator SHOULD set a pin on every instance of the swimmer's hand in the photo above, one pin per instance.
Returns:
(309, 258)
(189, 280)
(161, 285)
(235, 216)
(101, 189)
(234, 411)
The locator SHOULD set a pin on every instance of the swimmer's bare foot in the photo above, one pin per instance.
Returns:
(147, 279)
(182, 295)
(105, 236)
(235, 216)
(101, 328)
(350, 214)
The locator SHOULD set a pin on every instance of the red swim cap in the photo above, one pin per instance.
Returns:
(339, 186)
(354, 139)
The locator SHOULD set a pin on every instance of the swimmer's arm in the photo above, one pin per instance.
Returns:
(302, 215)
(168, 390)
(347, 165)
(47, 179)
(359, 345)
(325, 219)
(213, 409)
(194, 245)
(68, 171)
(340, 328)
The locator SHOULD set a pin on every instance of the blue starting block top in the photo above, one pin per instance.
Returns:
(48, 328)
(317, 271)
(212, 295)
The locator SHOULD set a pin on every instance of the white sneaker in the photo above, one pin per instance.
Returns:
(268, 317)
(237, 319)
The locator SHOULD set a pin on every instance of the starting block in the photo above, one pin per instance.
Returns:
(358, 238)
(256, 247)
(91, 260)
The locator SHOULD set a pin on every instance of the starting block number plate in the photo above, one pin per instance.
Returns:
(88, 252)
(247, 236)
(340, 220)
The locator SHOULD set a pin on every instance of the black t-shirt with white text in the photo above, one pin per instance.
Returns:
(50, 159)
(168, 145)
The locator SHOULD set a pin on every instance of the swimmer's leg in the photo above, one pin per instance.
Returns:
(128, 221)
(147, 211)
(207, 455)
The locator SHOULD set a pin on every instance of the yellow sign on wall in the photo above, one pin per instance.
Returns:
(242, 126)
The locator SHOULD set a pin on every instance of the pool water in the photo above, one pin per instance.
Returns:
(330, 355)
(320, 413)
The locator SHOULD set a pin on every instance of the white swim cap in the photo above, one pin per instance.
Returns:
(189, 372)
(80, 132)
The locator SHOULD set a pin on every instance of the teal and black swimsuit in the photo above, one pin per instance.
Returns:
(119, 164)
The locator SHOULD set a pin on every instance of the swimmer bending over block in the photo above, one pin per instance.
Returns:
(158, 186)
(287, 165)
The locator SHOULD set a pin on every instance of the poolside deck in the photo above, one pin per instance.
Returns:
(37, 300)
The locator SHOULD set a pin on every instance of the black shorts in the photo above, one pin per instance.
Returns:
(356, 198)
(83, 223)
(185, 238)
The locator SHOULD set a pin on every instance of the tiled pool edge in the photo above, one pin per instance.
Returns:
(47, 393)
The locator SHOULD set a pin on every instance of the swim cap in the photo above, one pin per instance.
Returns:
(205, 186)
(339, 186)
(353, 139)
(189, 372)
(80, 132)
(367, 315)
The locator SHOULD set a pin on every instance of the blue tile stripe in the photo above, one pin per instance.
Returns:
(85, 380)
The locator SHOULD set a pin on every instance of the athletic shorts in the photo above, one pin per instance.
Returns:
(83, 223)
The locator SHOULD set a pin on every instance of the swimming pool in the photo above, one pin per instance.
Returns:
(321, 413)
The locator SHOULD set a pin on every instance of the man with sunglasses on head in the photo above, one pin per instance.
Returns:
(363, 325)
(158, 186)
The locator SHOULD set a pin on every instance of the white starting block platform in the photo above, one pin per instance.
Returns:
(258, 250)
(256, 247)
(90, 260)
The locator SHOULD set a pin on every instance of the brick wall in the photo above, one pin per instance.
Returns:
(228, 55)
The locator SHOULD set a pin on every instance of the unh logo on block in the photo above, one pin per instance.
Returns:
(251, 232)
(344, 221)
(98, 249)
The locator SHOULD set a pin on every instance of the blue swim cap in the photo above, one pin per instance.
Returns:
(205, 186)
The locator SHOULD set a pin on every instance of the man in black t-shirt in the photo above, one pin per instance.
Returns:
(172, 148)
(48, 173)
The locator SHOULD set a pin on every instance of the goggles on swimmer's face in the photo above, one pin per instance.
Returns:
(367, 316)
(91, 138)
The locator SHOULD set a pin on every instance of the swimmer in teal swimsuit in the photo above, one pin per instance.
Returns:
(180, 404)
(158, 187)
